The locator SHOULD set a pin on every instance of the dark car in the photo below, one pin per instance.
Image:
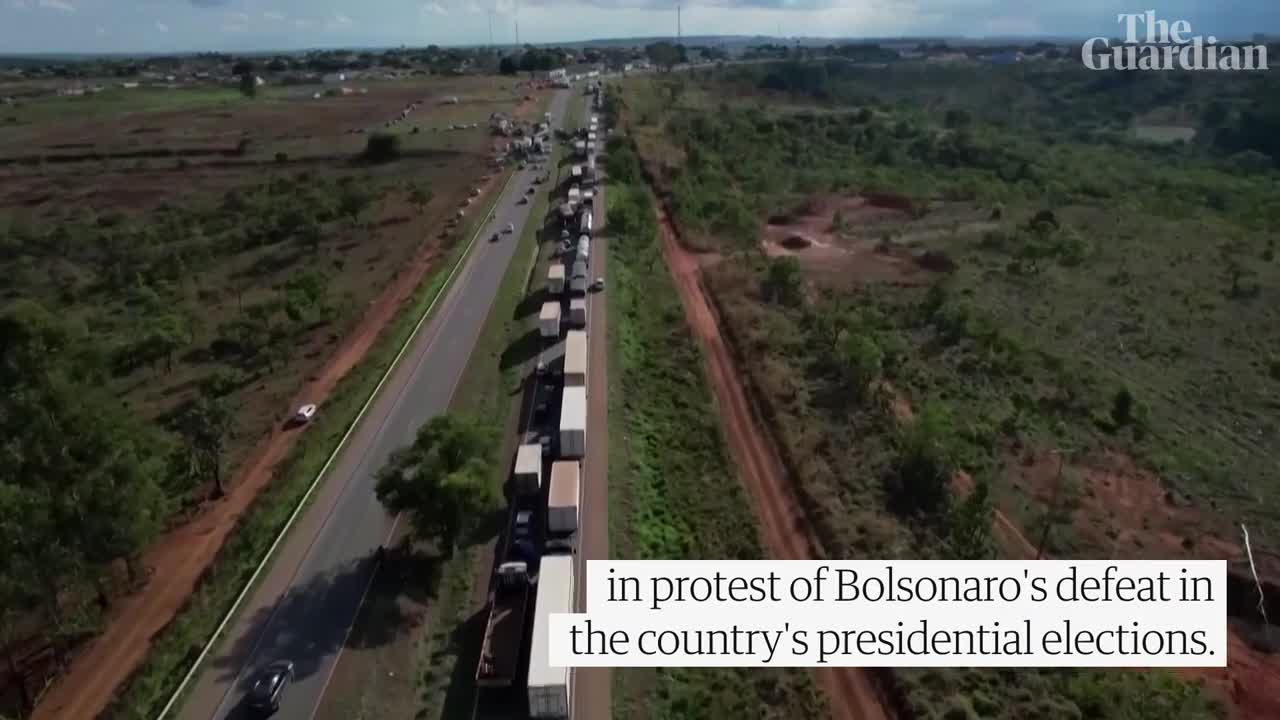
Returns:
(269, 686)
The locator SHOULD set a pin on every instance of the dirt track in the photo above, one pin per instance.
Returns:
(784, 530)
(178, 559)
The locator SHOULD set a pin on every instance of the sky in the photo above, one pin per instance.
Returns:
(28, 26)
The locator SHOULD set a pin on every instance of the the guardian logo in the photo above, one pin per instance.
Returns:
(1167, 46)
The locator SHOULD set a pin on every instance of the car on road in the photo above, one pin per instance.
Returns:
(524, 520)
(541, 368)
(598, 285)
(510, 228)
(530, 191)
(304, 414)
(545, 442)
(524, 200)
(269, 686)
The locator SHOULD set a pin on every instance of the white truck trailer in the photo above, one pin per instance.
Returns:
(555, 279)
(549, 320)
(526, 479)
(577, 312)
(562, 505)
(550, 688)
(573, 419)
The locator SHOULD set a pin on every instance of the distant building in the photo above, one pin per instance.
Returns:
(333, 78)
(557, 74)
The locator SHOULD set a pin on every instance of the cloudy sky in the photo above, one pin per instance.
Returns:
(189, 25)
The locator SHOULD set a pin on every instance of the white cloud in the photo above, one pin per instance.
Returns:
(19, 4)
(434, 8)
(504, 7)
(238, 17)
(473, 8)
(273, 15)
(101, 31)
(235, 27)
(59, 5)
(338, 21)
(162, 27)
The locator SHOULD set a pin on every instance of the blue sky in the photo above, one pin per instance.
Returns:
(190, 25)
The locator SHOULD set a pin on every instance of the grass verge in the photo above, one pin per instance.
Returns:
(673, 494)
(178, 645)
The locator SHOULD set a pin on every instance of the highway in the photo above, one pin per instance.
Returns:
(305, 603)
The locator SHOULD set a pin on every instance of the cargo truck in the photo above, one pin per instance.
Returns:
(575, 358)
(578, 283)
(549, 320)
(577, 172)
(577, 312)
(549, 687)
(584, 225)
(504, 632)
(581, 147)
(555, 279)
(562, 505)
(575, 194)
(526, 479)
(584, 249)
(573, 421)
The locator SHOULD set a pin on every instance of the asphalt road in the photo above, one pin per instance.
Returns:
(305, 604)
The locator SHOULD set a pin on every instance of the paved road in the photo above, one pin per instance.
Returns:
(304, 606)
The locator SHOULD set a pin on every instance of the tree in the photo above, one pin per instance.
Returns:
(420, 197)
(353, 201)
(205, 428)
(783, 281)
(926, 459)
(969, 526)
(249, 85)
(862, 362)
(663, 54)
(508, 66)
(382, 147)
(442, 481)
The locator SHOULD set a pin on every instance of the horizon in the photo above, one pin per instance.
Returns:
(151, 27)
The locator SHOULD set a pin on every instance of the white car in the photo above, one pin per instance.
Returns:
(598, 285)
(304, 414)
(511, 227)
(524, 519)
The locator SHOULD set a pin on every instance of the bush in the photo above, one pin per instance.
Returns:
(282, 157)
(382, 147)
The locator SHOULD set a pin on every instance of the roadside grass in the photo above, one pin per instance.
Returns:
(672, 493)
(178, 645)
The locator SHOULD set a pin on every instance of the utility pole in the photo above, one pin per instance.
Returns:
(679, 30)
(517, 33)
(491, 29)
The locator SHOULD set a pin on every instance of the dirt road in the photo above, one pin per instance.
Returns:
(783, 528)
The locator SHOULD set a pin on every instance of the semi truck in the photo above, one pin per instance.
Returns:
(562, 505)
(575, 358)
(584, 225)
(549, 320)
(584, 248)
(526, 479)
(573, 420)
(504, 632)
(575, 194)
(577, 312)
(549, 687)
(578, 282)
(555, 279)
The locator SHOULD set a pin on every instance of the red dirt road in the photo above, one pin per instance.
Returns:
(179, 558)
(784, 530)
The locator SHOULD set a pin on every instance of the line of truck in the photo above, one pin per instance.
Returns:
(544, 571)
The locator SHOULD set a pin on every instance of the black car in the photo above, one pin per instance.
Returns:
(269, 685)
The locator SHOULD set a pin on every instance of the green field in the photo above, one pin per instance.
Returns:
(969, 294)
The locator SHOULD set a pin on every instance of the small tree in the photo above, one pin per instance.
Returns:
(420, 197)
(441, 481)
(969, 526)
(926, 459)
(205, 428)
(783, 281)
(382, 147)
(249, 85)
